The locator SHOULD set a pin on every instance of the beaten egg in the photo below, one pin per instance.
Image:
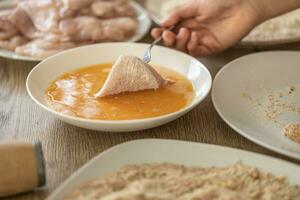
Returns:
(73, 94)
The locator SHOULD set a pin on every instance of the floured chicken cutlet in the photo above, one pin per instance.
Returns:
(131, 74)
(41, 28)
(171, 181)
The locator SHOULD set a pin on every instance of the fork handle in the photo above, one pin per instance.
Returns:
(21, 167)
(171, 28)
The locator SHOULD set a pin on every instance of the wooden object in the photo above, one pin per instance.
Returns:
(21, 167)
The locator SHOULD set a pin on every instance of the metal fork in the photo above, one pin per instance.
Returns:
(147, 55)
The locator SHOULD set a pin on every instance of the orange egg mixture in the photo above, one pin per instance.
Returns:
(73, 94)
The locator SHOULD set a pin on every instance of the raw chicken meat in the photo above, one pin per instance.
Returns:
(9, 35)
(76, 4)
(65, 13)
(131, 74)
(110, 9)
(82, 28)
(34, 29)
(85, 28)
(7, 29)
(4, 35)
(44, 14)
(13, 42)
(39, 28)
(118, 29)
(43, 48)
(22, 21)
(5, 24)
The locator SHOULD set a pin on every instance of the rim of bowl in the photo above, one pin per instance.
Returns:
(188, 107)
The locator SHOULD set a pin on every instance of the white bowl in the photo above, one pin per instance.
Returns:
(48, 70)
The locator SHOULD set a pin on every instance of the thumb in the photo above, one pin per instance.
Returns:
(187, 11)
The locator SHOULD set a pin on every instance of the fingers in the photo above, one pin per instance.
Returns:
(187, 11)
(197, 43)
(169, 38)
(182, 39)
(193, 43)
(156, 32)
(196, 47)
(212, 44)
(202, 50)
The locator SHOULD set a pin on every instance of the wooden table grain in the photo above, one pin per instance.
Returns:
(67, 147)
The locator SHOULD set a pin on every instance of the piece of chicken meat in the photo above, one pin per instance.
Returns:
(131, 74)
(10, 37)
(119, 29)
(22, 21)
(13, 42)
(5, 24)
(76, 4)
(44, 14)
(43, 48)
(82, 28)
(86, 28)
(7, 29)
(112, 8)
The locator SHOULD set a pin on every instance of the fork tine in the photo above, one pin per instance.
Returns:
(147, 55)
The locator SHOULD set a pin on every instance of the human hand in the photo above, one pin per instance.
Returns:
(209, 26)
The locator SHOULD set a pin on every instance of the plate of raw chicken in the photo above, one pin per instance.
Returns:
(33, 29)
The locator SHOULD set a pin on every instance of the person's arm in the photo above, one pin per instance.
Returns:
(211, 26)
(271, 8)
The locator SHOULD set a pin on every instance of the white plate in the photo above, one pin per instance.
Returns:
(240, 95)
(45, 72)
(172, 151)
(143, 29)
(155, 9)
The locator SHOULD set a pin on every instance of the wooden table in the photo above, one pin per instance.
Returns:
(67, 147)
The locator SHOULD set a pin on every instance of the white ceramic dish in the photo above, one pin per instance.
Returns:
(155, 9)
(143, 29)
(50, 69)
(172, 151)
(241, 93)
